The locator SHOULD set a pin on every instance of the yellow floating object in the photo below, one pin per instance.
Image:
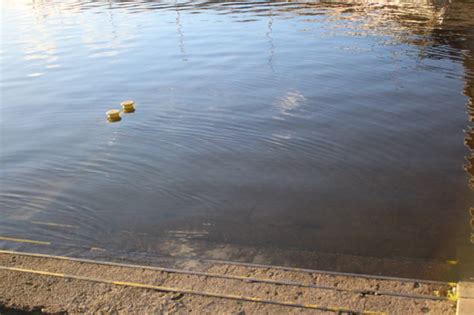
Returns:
(113, 115)
(128, 106)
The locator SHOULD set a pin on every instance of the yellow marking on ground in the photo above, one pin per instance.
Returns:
(21, 240)
(452, 296)
(38, 272)
(54, 224)
(182, 291)
(452, 262)
(436, 293)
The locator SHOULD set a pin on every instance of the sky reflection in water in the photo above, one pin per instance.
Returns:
(320, 135)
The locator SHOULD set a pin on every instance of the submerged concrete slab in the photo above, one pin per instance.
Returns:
(73, 285)
(465, 304)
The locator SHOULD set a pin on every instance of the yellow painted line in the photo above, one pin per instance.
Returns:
(452, 262)
(213, 275)
(38, 272)
(182, 291)
(54, 224)
(21, 240)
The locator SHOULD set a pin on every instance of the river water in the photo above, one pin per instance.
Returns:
(331, 135)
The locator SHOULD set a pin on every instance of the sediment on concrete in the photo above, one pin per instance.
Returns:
(55, 284)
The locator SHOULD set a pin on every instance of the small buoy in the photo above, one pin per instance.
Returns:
(113, 115)
(128, 106)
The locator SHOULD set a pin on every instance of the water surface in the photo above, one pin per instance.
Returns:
(308, 134)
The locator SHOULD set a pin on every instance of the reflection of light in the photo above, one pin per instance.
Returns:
(36, 74)
(35, 38)
(289, 102)
(284, 137)
(35, 57)
(104, 54)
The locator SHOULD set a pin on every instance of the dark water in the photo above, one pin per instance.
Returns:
(305, 134)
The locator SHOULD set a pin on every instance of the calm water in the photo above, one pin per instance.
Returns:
(303, 134)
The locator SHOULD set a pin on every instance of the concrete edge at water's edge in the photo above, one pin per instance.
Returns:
(465, 304)
(38, 283)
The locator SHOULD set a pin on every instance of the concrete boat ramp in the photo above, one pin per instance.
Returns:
(40, 283)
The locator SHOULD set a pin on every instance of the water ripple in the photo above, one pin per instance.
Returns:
(345, 115)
